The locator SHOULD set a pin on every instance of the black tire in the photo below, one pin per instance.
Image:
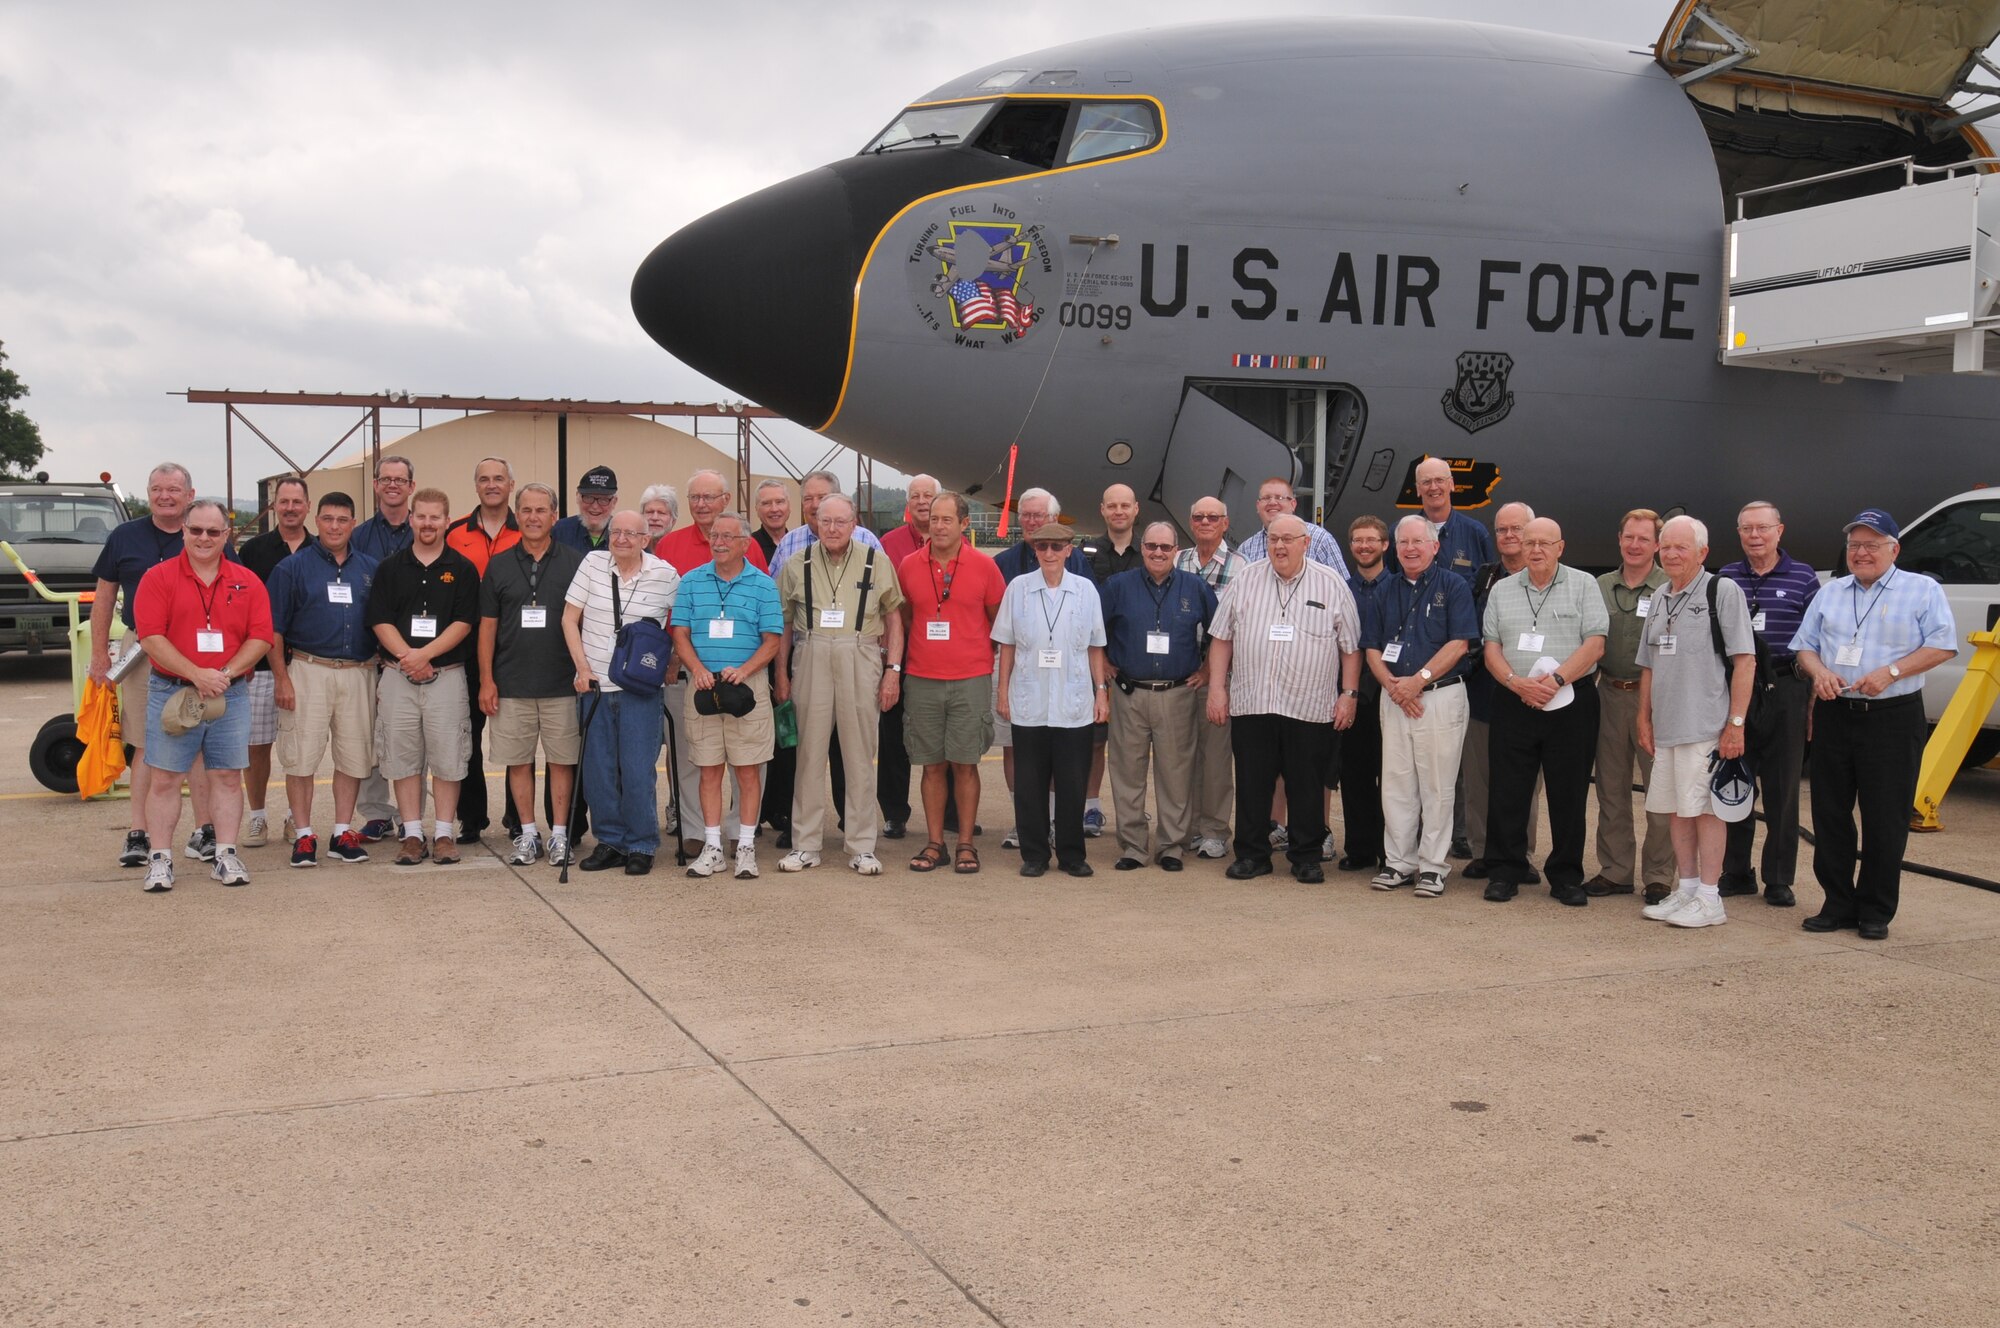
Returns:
(54, 754)
(1984, 748)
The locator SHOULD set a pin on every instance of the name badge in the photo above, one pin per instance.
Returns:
(1646, 606)
(1156, 643)
(1051, 659)
(339, 592)
(1848, 656)
(1665, 645)
(423, 629)
(937, 631)
(1757, 621)
(534, 615)
(721, 629)
(833, 619)
(1283, 631)
(1392, 652)
(1531, 641)
(208, 643)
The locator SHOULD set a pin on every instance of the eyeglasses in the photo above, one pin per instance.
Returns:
(1539, 544)
(628, 534)
(1755, 530)
(1868, 546)
(395, 480)
(217, 532)
(717, 537)
(1209, 516)
(1157, 548)
(593, 499)
(1434, 483)
(1285, 539)
(706, 497)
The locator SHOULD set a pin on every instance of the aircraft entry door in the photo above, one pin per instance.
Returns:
(1231, 435)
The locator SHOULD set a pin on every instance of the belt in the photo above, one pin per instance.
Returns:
(1134, 684)
(1621, 684)
(1452, 681)
(435, 670)
(1784, 668)
(325, 663)
(1862, 705)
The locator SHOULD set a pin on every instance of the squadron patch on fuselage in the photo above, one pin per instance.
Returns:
(974, 274)
(1480, 396)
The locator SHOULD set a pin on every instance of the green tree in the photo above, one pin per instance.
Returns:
(20, 438)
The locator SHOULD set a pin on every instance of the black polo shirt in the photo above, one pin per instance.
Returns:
(447, 590)
(530, 661)
(1106, 562)
(262, 556)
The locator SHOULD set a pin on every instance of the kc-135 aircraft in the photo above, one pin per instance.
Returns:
(1190, 258)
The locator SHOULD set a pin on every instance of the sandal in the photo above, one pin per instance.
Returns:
(967, 861)
(929, 858)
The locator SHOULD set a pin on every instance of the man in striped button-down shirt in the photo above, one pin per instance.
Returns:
(1289, 628)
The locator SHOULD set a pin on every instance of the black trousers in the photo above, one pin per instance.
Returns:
(1045, 758)
(1867, 758)
(1268, 748)
(1562, 745)
(1361, 779)
(892, 767)
(1780, 760)
(472, 817)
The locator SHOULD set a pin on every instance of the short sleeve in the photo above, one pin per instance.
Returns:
(1733, 613)
(1097, 636)
(1003, 623)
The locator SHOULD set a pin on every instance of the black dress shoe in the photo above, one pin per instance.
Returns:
(1308, 872)
(1601, 885)
(1571, 895)
(1080, 869)
(1476, 869)
(1349, 863)
(1032, 869)
(1730, 886)
(1244, 868)
(1461, 849)
(1531, 877)
(1170, 864)
(1128, 864)
(895, 830)
(1499, 892)
(1820, 922)
(784, 839)
(638, 864)
(1874, 931)
(601, 858)
(1779, 896)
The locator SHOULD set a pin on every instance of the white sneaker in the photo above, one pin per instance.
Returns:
(258, 832)
(1700, 913)
(559, 855)
(1281, 837)
(866, 863)
(291, 829)
(746, 861)
(709, 863)
(797, 860)
(229, 869)
(1012, 839)
(1391, 879)
(160, 874)
(1327, 849)
(1212, 847)
(527, 849)
(1429, 885)
(1669, 906)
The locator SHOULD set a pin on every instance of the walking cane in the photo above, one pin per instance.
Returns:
(674, 783)
(576, 788)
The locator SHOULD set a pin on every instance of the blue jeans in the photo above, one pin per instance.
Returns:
(621, 747)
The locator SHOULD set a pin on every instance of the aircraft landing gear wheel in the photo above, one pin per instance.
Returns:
(54, 754)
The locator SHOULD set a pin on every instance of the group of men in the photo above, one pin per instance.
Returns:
(1443, 681)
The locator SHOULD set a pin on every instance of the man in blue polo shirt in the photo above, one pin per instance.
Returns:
(1417, 629)
(323, 677)
(1464, 546)
(1155, 623)
(727, 624)
(1778, 588)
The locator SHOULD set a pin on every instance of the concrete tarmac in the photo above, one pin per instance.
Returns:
(470, 1095)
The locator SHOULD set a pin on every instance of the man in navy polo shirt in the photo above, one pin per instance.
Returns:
(1778, 588)
(1155, 620)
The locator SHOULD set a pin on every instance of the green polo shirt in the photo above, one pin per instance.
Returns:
(1621, 643)
(1564, 614)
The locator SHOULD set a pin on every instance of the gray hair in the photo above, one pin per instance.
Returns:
(402, 461)
(838, 496)
(216, 503)
(716, 475)
(1055, 507)
(1699, 528)
(173, 468)
(662, 493)
(542, 489)
(1167, 526)
(1423, 524)
(775, 484)
(733, 515)
(931, 480)
(504, 462)
(1761, 502)
(827, 476)
(1516, 503)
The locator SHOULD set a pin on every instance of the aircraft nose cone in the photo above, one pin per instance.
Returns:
(759, 295)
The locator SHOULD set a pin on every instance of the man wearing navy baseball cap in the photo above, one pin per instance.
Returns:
(588, 529)
(1865, 640)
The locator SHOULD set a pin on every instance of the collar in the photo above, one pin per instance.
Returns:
(1783, 564)
(321, 550)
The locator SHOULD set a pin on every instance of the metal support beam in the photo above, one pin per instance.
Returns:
(1739, 49)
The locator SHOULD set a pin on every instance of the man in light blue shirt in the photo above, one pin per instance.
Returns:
(1865, 641)
(1275, 499)
(812, 489)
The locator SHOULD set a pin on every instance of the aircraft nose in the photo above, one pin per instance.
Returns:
(759, 295)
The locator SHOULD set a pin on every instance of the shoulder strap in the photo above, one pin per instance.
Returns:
(617, 607)
(867, 583)
(1715, 624)
(808, 567)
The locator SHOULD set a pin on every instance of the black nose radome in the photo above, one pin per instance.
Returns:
(759, 295)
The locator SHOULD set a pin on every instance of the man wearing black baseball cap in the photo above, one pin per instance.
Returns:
(596, 497)
(1866, 639)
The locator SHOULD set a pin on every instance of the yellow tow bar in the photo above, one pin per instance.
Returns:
(1945, 752)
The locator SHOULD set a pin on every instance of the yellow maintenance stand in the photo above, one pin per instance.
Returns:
(1945, 752)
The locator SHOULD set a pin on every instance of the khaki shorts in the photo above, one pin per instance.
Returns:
(1680, 781)
(329, 704)
(423, 727)
(524, 721)
(947, 719)
(726, 740)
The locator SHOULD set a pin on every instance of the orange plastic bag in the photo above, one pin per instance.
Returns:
(97, 728)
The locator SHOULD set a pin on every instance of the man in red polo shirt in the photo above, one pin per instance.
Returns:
(204, 623)
(951, 592)
(687, 546)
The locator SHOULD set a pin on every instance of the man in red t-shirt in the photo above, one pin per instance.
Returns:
(686, 547)
(204, 623)
(951, 593)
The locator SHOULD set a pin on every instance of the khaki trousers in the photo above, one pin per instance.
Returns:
(1162, 726)
(1212, 794)
(836, 682)
(1617, 750)
(1419, 770)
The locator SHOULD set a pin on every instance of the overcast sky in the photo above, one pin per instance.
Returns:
(445, 198)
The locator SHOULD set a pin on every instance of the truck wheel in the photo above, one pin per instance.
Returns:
(1984, 748)
(54, 754)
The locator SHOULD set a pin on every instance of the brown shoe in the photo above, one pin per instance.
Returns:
(413, 852)
(1601, 885)
(1656, 893)
(445, 851)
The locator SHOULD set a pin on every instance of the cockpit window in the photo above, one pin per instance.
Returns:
(1107, 128)
(930, 127)
(1029, 132)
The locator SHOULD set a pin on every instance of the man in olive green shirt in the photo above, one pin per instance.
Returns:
(1628, 598)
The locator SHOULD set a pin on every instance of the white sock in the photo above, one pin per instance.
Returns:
(554, 830)
(304, 830)
(1708, 891)
(160, 856)
(528, 829)
(1093, 804)
(711, 835)
(1689, 884)
(445, 829)
(225, 848)
(746, 837)
(339, 829)
(413, 829)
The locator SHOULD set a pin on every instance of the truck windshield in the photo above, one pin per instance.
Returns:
(1959, 546)
(80, 518)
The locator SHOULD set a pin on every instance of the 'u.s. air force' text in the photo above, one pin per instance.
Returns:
(1397, 290)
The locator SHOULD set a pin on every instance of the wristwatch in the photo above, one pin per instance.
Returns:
(1895, 672)
(1425, 674)
(1559, 680)
(1351, 691)
(1736, 721)
(895, 668)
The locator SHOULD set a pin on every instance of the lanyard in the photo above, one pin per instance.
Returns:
(836, 580)
(1419, 591)
(1534, 609)
(208, 600)
(950, 570)
(723, 590)
(1674, 606)
(1855, 597)
(1160, 600)
(1285, 601)
(1050, 620)
(532, 569)
(1639, 592)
